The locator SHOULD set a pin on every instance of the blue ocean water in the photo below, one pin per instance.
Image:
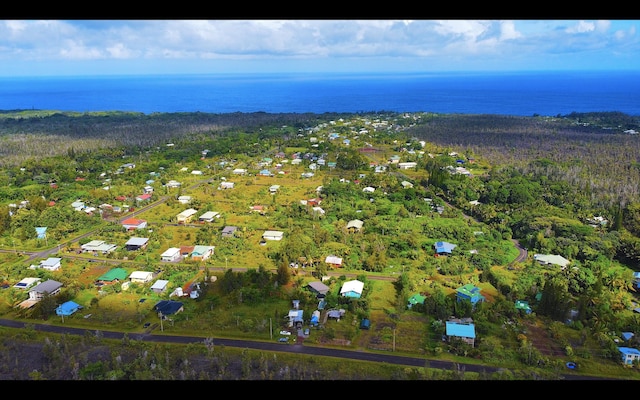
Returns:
(521, 94)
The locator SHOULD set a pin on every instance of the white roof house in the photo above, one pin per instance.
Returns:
(141, 276)
(26, 283)
(335, 260)
(98, 246)
(272, 235)
(51, 263)
(355, 224)
(185, 216)
(553, 259)
(209, 216)
(159, 286)
(352, 288)
(184, 199)
(171, 254)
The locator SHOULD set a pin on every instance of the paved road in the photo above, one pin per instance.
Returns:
(280, 347)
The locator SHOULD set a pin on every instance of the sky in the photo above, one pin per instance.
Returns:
(55, 47)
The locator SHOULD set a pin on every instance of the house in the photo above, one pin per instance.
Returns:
(337, 314)
(184, 199)
(185, 216)
(136, 243)
(407, 165)
(333, 261)
(46, 288)
(141, 276)
(229, 231)
(113, 275)
(444, 248)
(551, 259)
(171, 254)
(41, 232)
(464, 331)
(26, 283)
(134, 223)
(352, 289)
(469, 292)
(272, 235)
(168, 307)
(68, 308)
(201, 253)
(239, 171)
(355, 225)
(226, 185)
(185, 251)
(196, 172)
(98, 247)
(406, 184)
(629, 355)
(258, 208)
(159, 286)
(365, 323)
(274, 188)
(51, 264)
(296, 318)
(318, 287)
(416, 299)
(143, 197)
(523, 305)
(209, 216)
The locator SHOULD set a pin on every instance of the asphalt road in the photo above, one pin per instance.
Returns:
(283, 347)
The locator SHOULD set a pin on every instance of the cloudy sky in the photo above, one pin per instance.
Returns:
(97, 47)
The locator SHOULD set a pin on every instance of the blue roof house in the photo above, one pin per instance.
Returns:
(636, 280)
(444, 248)
(68, 308)
(629, 355)
(41, 232)
(469, 292)
(466, 332)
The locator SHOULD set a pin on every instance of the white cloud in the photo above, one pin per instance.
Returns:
(329, 43)
(581, 27)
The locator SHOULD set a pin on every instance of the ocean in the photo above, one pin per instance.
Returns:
(513, 93)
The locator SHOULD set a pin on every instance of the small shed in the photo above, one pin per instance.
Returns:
(365, 323)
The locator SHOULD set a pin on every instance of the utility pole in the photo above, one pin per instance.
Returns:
(394, 339)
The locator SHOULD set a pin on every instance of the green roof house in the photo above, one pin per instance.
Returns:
(416, 299)
(114, 275)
